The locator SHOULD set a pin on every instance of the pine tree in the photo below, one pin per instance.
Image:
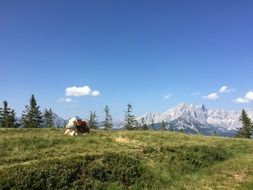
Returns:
(4, 114)
(48, 118)
(246, 130)
(12, 120)
(214, 133)
(32, 116)
(153, 124)
(163, 126)
(143, 126)
(108, 124)
(7, 116)
(93, 124)
(130, 121)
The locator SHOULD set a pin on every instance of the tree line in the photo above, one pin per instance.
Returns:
(130, 121)
(32, 117)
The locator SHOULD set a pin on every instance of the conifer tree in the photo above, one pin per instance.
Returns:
(32, 116)
(13, 120)
(153, 124)
(108, 124)
(143, 125)
(181, 130)
(163, 125)
(246, 130)
(130, 121)
(93, 124)
(7, 116)
(48, 118)
(4, 114)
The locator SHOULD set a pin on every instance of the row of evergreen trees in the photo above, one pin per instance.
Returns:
(107, 123)
(32, 117)
(7, 116)
(130, 122)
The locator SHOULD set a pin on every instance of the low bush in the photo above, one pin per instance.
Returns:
(90, 172)
(190, 158)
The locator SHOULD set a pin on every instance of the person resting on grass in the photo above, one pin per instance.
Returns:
(76, 126)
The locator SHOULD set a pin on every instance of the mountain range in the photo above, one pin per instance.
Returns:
(196, 119)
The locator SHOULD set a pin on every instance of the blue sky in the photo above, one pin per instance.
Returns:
(131, 51)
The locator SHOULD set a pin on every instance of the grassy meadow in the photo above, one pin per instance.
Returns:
(46, 159)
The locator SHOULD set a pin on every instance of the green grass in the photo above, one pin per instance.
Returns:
(46, 159)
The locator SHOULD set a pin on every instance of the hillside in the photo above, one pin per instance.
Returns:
(46, 159)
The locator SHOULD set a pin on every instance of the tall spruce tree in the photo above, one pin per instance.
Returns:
(152, 124)
(7, 116)
(143, 125)
(163, 126)
(246, 130)
(130, 121)
(93, 123)
(13, 120)
(32, 116)
(48, 118)
(108, 124)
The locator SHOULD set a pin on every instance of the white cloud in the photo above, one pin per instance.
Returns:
(67, 100)
(81, 91)
(225, 89)
(241, 100)
(247, 98)
(168, 96)
(95, 93)
(78, 91)
(213, 96)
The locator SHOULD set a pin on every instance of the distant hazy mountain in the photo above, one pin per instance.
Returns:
(197, 119)
(58, 121)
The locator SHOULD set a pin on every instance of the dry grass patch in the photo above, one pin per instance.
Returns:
(127, 141)
(240, 176)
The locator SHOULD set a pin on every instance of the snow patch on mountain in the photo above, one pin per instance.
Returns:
(197, 118)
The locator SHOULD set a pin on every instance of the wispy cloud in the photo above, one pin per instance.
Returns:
(66, 100)
(81, 91)
(168, 96)
(246, 99)
(225, 89)
(195, 94)
(213, 96)
(95, 93)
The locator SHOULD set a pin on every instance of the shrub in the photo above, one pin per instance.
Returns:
(94, 171)
(189, 158)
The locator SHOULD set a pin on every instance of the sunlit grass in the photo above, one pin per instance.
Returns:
(168, 160)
